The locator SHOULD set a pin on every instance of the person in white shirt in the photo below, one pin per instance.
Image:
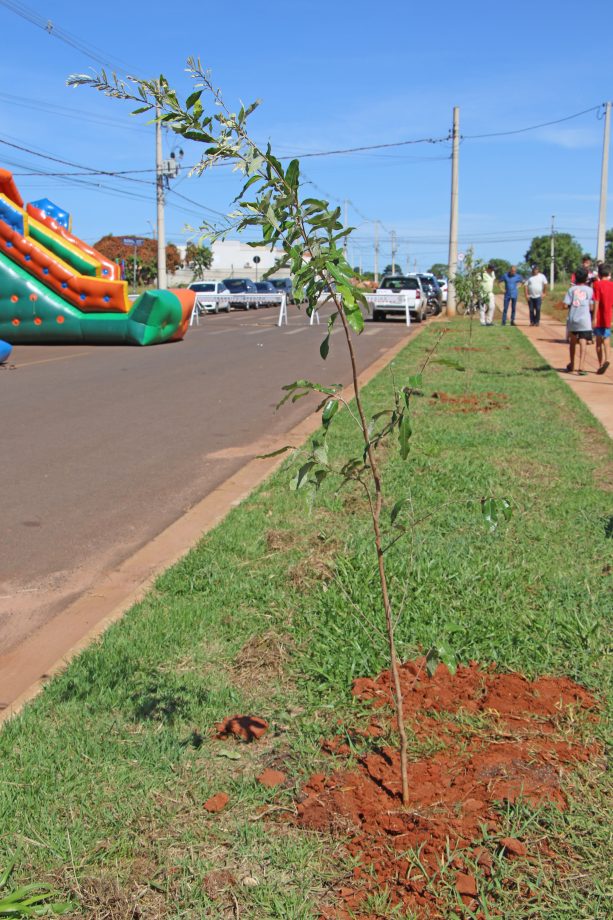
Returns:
(536, 286)
(487, 301)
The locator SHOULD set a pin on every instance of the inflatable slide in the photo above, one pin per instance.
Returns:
(56, 288)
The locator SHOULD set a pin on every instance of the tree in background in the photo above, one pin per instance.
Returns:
(439, 270)
(568, 253)
(608, 252)
(500, 266)
(199, 258)
(114, 248)
(396, 270)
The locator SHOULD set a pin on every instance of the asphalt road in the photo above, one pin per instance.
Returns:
(104, 447)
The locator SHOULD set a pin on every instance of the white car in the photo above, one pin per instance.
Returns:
(402, 284)
(442, 283)
(204, 305)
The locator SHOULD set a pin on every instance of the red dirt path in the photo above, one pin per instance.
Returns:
(486, 738)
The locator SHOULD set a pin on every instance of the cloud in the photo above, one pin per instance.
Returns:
(571, 138)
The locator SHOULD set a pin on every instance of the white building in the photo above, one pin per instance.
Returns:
(234, 259)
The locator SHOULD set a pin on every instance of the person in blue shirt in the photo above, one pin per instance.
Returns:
(511, 281)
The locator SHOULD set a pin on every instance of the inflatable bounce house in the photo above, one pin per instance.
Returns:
(56, 288)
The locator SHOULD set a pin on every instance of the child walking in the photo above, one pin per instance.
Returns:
(580, 303)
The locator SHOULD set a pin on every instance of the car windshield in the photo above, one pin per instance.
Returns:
(234, 284)
(400, 284)
(203, 287)
(263, 286)
(280, 282)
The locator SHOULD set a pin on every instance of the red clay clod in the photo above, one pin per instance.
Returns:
(466, 884)
(513, 847)
(245, 728)
(216, 803)
(271, 778)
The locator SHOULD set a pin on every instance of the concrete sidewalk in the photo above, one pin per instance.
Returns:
(549, 339)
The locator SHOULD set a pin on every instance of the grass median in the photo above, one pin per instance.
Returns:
(103, 778)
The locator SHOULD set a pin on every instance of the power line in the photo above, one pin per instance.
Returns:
(545, 124)
(89, 50)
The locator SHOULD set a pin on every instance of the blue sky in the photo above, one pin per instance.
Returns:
(330, 75)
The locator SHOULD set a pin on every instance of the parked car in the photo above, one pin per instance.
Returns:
(433, 292)
(442, 283)
(202, 288)
(242, 286)
(418, 302)
(285, 286)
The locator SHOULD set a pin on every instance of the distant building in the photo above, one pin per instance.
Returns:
(233, 259)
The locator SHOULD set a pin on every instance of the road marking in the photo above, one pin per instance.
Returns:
(373, 331)
(220, 331)
(296, 331)
(79, 354)
(260, 330)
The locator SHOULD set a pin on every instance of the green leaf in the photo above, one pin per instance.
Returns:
(324, 348)
(330, 410)
(491, 510)
(398, 508)
(293, 173)
(300, 478)
(440, 654)
(193, 98)
(320, 452)
(355, 320)
(404, 435)
(416, 381)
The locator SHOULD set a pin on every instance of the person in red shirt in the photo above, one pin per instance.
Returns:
(603, 315)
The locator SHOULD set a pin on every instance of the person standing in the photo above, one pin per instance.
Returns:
(487, 301)
(579, 301)
(511, 281)
(536, 285)
(603, 315)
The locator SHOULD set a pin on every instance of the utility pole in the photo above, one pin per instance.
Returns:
(604, 183)
(377, 251)
(346, 225)
(393, 237)
(159, 175)
(552, 274)
(453, 219)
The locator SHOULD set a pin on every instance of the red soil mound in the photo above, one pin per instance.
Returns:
(245, 728)
(484, 738)
(471, 402)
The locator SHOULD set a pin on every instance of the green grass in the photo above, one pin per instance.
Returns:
(103, 777)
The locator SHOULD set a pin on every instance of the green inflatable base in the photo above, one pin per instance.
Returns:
(32, 314)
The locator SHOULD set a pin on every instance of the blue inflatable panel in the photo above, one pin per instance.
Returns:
(5, 351)
(11, 215)
(54, 211)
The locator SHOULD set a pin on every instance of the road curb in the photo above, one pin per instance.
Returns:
(30, 665)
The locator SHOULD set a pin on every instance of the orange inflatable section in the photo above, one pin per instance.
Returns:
(110, 270)
(187, 299)
(91, 295)
(8, 188)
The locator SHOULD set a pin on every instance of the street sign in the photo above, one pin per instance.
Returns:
(461, 256)
(133, 241)
(257, 260)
